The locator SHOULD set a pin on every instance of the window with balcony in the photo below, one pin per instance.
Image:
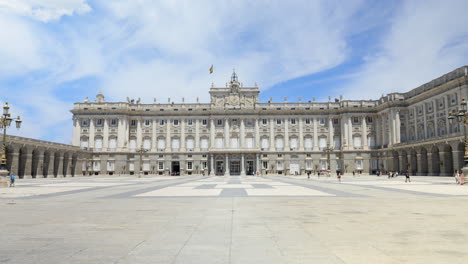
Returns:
(265, 143)
(161, 144)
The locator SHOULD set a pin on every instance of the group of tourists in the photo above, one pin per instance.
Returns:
(459, 177)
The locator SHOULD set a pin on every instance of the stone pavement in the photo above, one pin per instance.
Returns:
(276, 219)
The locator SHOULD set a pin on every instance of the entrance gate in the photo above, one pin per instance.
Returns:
(175, 166)
(234, 169)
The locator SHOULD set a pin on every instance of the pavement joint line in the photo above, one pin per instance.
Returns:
(337, 193)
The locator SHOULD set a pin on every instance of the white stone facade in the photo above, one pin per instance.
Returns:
(237, 135)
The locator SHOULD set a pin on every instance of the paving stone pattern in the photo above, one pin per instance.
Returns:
(273, 219)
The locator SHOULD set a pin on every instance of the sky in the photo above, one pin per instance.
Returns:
(54, 53)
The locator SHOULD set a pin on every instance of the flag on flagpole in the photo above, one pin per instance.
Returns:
(211, 69)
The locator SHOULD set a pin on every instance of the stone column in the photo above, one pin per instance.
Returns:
(91, 133)
(212, 170)
(226, 133)
(456, 162)
(430, 170)
(286, 134)
(257, 134)
(154, 137)
(242, 165)
(197, 135)
(257, 163)
(436, 125)
(344, 134)
(316, 148)
(408, 163)
(392, 130)
(446, 110)
(425, 120)
(272, 134)
(14, 162)
(443, 165)
(350, 134)
(398, 126)
(242, 134)
(78, 167)
(226, 166)
(364, 133)
(40, 164)
(384, 129)
(76, 131)
(105, 138)
(212, 134)
(28, 164)
(60, 166)
(401, 165)
(122, 136)
(330, 132)
(420, 168)
(139, 139)
(182, 135)
(168, 136)
(51, 167)
(301, 135)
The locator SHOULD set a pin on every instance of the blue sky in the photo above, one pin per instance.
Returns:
(57, 52)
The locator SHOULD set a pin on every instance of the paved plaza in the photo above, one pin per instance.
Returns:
(274, 219)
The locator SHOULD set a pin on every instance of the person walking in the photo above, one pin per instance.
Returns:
(457, 177)
(12, 180)
(407, 176)
(338, 175)
(308, 175)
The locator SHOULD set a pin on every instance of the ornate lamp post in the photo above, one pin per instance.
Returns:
(5, 122)
(328, 150)
(461, 116)
(140, 151)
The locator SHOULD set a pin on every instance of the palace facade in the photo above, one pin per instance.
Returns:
(235, 134)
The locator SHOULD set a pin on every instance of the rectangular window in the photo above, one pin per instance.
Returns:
(307, 121)
(204, 122)
(322, 121)
(356, 120)
(85, 122)
(189, 165)
(189, 122)
(161, 165)
(219, 122)
(335, 121)
(176, 122)
(265, 164)
(280, 155)
(99, 122)
(278, 121)
(147, 122)
(293, 121)
(133, 123)
(114, 122)
(161, 122)
(205, 164)
(264, 121)
(249, 122)
(369, 119)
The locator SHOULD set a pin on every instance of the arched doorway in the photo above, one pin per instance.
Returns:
(423, 165)
(413, 162)
(447, 160)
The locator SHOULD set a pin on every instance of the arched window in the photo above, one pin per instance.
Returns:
(190, 144)
(308, 143)
(175, 144)
(322, 143)
(265, 143)
(293, 143)
(279, 143)
(161, 144)
(234, 142)
(112, 144)
(219, 142)
(84, 142)
(371, 141)
(147, 143)
(249, 142)
(357, 142)
(204, 143)
(98, 143)
(132, 145)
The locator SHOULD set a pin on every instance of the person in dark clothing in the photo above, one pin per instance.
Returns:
(12, 180)
(407, 176)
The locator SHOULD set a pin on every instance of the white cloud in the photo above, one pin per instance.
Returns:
(45, 10)
(424, 41)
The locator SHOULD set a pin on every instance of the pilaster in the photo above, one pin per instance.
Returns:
(316, 147)
(301, 135)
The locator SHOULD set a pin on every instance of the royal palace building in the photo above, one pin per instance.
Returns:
(235, 134)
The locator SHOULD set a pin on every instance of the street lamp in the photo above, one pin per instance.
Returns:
(328, 150)
(140, 151)
(461, 116)
(5, 122)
